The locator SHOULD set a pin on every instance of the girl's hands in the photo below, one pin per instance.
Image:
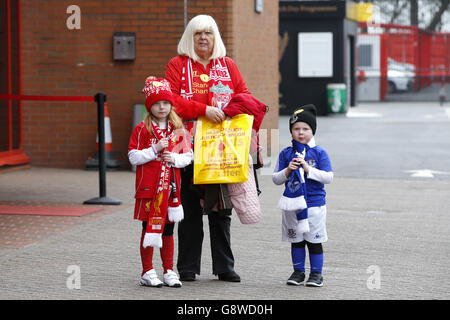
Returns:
(162, 144)
(167, 156)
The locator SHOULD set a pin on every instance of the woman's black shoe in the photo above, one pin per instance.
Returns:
(230, 276)
(187, 276)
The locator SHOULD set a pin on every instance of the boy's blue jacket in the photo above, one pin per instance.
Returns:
(316, 157)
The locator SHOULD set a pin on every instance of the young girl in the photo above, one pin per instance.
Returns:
(304, 163)
(158, 146)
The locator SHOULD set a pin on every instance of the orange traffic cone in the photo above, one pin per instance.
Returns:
(111, 163)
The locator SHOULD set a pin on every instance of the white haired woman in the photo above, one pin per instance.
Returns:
(203, 80)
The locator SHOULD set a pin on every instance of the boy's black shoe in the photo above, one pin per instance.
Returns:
(315, 279)
(297, 278)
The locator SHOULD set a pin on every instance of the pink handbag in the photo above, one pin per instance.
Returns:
(244, 198)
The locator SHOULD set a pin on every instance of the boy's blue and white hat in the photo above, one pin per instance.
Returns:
(306, 113)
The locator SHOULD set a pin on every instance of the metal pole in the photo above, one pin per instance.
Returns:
(100, 98)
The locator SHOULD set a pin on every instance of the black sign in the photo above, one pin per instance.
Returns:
(312, 9)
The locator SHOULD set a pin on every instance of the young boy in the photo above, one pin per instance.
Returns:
(304, 227)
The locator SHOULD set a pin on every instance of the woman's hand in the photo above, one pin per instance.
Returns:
(214, 114)
(162, 144)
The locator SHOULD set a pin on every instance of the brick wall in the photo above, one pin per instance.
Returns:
(59, 61)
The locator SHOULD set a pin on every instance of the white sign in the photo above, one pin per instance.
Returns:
(315, 54)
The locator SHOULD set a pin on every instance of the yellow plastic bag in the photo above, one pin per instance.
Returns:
(221, 150)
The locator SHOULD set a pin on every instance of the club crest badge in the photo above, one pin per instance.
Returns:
(147, 206)
(294, 186)
(291, 233)
(311, 163)
(221, 94)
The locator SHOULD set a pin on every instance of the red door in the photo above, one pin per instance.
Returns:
(10, 84)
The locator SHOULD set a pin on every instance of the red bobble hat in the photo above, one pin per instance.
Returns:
(156, 90)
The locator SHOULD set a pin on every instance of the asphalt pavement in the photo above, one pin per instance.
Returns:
(388, 227)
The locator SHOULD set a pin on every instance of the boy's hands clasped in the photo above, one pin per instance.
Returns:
(295, 164)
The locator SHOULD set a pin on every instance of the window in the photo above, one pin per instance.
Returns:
(365, 55)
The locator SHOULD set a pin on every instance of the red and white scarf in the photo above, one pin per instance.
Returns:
(220, 86)
(166, 200)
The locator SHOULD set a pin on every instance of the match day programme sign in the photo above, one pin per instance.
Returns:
(221, 150)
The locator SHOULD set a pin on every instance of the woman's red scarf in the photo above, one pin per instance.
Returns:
(166, 200)
(220, 85)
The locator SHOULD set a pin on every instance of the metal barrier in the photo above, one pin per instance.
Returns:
(100, 98)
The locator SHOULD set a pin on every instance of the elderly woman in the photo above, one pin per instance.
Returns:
(204, 80)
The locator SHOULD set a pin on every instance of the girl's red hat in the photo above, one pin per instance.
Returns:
(156, 90)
